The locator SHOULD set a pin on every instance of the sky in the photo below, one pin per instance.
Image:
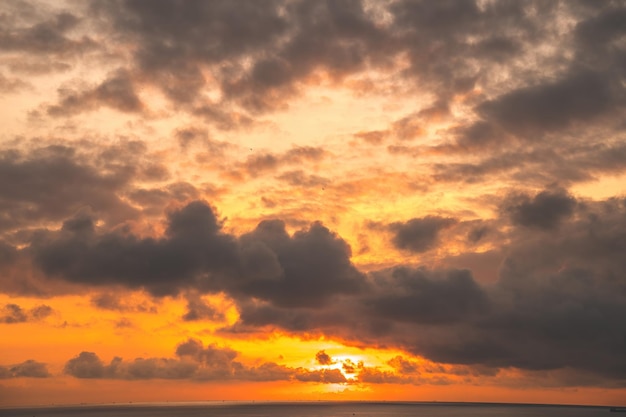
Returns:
(312, 200)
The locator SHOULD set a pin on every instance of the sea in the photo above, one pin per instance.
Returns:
(311, 409)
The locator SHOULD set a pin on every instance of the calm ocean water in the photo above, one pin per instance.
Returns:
(316, 409)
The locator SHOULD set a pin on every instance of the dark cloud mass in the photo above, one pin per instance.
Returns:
(544, 211)
(419, 235)
(579, 97)
(193, 244)
(427, 297)
(559, 298)
(306, 269)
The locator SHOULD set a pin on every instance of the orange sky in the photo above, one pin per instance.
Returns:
(336, 200)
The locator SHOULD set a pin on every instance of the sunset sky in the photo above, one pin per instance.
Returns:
(312, 200)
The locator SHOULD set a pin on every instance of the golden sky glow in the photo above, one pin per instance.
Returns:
(303, 200)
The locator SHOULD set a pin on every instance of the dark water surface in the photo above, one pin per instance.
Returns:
(313, 409)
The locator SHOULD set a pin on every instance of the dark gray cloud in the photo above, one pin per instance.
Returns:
(306, 269)
(544, 211)
(117, 91)
(27, 369)
(427, 297)
(13, 313)
(578, 97)
(421, 234)
(51, 183)
(193, 244)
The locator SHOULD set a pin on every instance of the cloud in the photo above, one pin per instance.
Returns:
(38, 34)
(578, 97)
(323, 358)
(373, 137)
(544, 211)
(540, 164)
(193, 243)
(558, 299)
(257, 164)
(85, 365)
(118, 302)
(117, 91)
(199, 309)
(327, 376)
(194, 361)
(13, 313)
(419, 234)
(52, 182)
(428, 297)
(154, 200)
(306, 269)
(27, 369)
(299, 178)
(11, 85)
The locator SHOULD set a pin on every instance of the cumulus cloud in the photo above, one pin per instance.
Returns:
(27, 369)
